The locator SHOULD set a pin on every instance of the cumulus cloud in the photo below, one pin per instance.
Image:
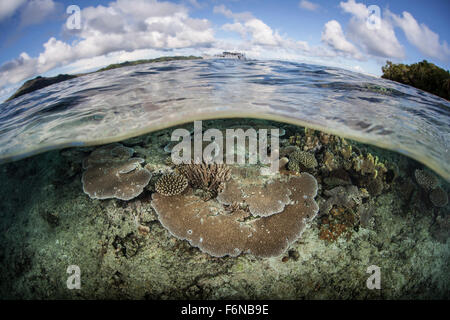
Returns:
(121, 26)
(255, 30)
(379, 42)
(9, 7)
(308, 5)
(17, 69)
(421, 36)
(333, 36)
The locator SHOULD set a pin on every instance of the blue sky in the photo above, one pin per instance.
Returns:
(36, 41)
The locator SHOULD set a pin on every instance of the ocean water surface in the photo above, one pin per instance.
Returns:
(117, 104)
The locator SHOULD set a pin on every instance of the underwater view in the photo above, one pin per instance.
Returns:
(189, 151)
(140, 226)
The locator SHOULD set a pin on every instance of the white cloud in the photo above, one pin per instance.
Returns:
(359, 10)
(422, 37)
(8, 7)
(36, 11)
(333, 36)
(17, 69)
(379, 42)
(122, 26)
(241, 16)
(308, 5)
(254, 30)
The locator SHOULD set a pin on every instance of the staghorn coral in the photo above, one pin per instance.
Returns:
(111, 173)
(439, 197)
(171, 184)
(425, 179)
(301, 159)
(208, 177)
(214, 230)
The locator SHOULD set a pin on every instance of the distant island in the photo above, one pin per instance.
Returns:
(422, 75)
(42, 82)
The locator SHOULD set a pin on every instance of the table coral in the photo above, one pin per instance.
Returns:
(210, 227)
(111, 173)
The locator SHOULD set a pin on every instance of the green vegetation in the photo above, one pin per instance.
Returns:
(39, 83)
(42, 82)
(422, 75)
(133, 63)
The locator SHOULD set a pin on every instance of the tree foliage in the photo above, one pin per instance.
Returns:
(422, 75)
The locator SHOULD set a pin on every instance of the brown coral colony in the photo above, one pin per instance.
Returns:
(219, 232)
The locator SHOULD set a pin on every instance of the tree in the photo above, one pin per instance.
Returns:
(422, 75)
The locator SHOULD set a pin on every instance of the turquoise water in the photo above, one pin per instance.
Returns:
(125, 102)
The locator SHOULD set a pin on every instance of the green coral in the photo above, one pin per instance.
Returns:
(301, 159)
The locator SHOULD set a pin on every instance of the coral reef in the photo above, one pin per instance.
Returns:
(261, 200)
(299, 160)
(108, 153)
(340, 222)
(111, 173)
(343, 196)
(208, 177)
(124, 252)
(171, 184)
(208, 226)
(425, 179)
(375, 187)
(368, 165)
(439, 197)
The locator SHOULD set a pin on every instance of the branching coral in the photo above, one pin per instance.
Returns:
(111, 173)
(210, 227)
(368, 165)
(208, 177)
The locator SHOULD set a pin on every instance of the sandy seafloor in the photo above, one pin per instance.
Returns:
(49, 223)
